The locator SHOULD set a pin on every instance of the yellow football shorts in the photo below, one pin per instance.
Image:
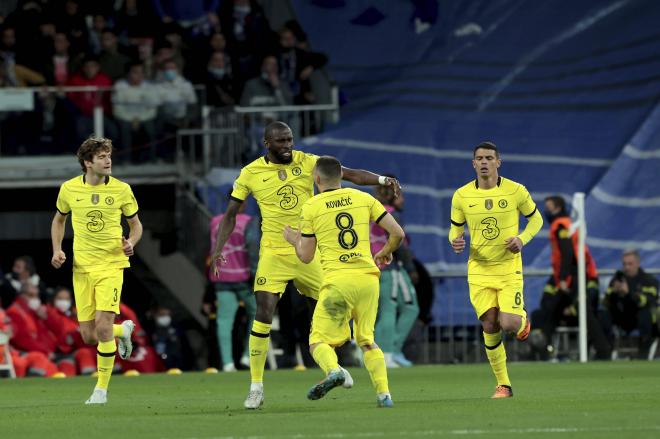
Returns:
(509, 298)
(97, 291)
(341, 299)
(275, 271)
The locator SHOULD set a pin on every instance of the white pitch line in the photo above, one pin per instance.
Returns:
(435, 433)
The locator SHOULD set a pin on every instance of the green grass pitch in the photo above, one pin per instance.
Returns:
(596, 400)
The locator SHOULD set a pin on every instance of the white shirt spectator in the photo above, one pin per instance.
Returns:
(135, 102)
(176, 94)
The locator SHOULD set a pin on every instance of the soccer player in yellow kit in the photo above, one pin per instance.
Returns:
(491, 206)
(281, 181)
(96, 202)
(337, 220)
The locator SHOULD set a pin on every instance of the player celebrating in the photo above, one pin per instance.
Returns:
(96, 202)
(337, 220)
(281, 181)
(491, 206)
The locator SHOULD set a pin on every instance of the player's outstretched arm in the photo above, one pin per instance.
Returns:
(394, 240)
(134, 235)
(224, 231)
(56, 235)
(366, 178)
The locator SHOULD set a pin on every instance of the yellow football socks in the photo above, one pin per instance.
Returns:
(117, 331)
(105, 360)
(374, 361)
(259, 340)
(497, 357)
(325, 357)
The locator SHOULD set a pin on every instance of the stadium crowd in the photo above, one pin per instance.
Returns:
(144, 56)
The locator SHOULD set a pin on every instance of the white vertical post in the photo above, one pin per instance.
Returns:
(98, 120)
(578, 205)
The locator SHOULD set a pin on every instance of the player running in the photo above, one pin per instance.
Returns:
(96, 202)
(491, 206)
(281, 181)
(337, 220)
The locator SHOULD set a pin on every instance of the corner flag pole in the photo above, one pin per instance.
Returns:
(578, 205)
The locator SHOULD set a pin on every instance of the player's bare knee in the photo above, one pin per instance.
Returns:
(511, 324)
(89, 337)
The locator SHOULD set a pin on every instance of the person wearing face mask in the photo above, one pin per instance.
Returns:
(36, 328)
(70, 343)
(219, 81)
(267, 89)
(559, 300)
(23, 271)
(166, 339)
(26, 363)
(176, 94)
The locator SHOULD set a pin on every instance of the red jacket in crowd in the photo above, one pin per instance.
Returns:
(33, 332)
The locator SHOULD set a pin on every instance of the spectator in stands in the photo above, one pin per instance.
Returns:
(84, 102)
(267, 89)
(15, 74)
(219, 82)
(248, 34)
(397, 307)
(135, 106)
(61, 66)
(631, 300)
(559, 300)
(232, 285)
(23, 272)
(187, 14)
(177, 95)
(297, 65)
(36, 328)
(167, 340)
(71, 348)
(113, 63)
(99, 24)
(136, 20)
(31, 363)
(8, 54)
(164, 51)
(72, 22)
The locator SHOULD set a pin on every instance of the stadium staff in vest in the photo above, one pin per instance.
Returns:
(559, 300)
(232, 285)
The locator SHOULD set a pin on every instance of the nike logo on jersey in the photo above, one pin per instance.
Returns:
(266, 179)
(472, 205)
(79, 199)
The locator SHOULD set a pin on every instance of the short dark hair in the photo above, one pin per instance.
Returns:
(558, 201)
(90, 148)
(29, 263)
(274, 126)
(328, 167)
(486, 145)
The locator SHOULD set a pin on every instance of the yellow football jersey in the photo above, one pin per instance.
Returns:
(339, 219)
(492, 216)
(280, 191)
(96, 219)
